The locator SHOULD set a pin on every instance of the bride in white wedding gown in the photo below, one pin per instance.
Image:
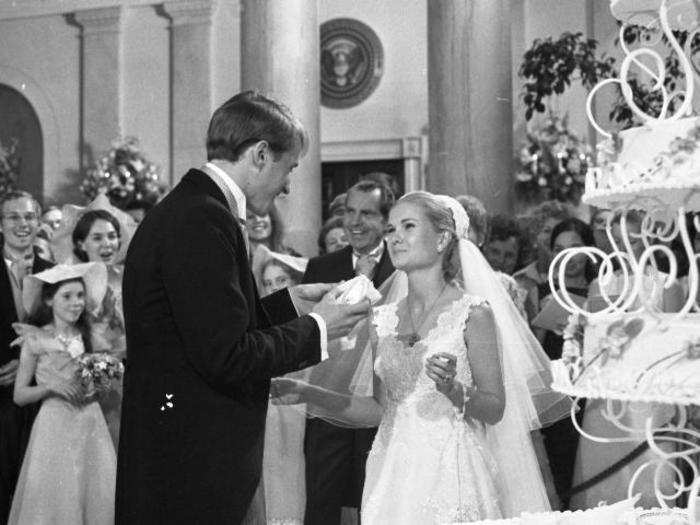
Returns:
(454, 373)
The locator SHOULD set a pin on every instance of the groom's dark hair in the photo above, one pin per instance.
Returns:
(248, 118)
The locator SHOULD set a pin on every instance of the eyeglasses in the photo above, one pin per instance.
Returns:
(16, 218)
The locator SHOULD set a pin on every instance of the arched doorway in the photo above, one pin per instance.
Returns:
(19, 121)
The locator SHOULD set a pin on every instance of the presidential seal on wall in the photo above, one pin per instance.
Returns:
(352, 62)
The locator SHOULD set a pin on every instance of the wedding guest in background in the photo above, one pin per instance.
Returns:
(387, 180)
(561, 439)
(337, 206)
(97, 237)
(52, 217)
(266, 230)
(478, 218)
(332, 236)
(19, 222)
(69, 470)
(336, 456)
(478, 232)
(540, 222)
(504, 247)
(283, 456)
(599, 220)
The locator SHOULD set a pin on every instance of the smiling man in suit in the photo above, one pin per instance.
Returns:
(202, 346)
(20, 216)
(336, 456)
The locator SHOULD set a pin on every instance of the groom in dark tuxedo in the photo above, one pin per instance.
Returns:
(335, 456)
(201, 345)
(19, 223)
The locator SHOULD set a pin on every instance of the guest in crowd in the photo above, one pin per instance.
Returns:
(540, 221)
(267, 230)
(336, 456)
(599, 221)
(337, 206)
(283, 457)
(478, 218)
(504, 247)
(478, 232)
(97, 237)
(53, 216)
(332, 236)
(69, 470)
(603, 471)
(384, 179)
(20, 215)
(561, 439)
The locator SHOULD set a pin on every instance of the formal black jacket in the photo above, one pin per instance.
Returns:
(201, 351)
(337, 266)
(8, 313)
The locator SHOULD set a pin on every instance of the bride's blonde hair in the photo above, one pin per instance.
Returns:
(441, 219)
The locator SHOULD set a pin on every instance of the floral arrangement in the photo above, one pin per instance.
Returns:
(9, 166)
(97, 371)
(125, 175)
(552, 164)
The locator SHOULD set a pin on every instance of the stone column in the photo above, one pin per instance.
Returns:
(101, 78)
(470, 106)
(190, 83)
(280, 57)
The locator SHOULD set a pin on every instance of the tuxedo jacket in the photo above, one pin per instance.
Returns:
(337, 266)
(8, 313)
(202, 348)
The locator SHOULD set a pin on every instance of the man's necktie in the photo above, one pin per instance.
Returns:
(366, 264)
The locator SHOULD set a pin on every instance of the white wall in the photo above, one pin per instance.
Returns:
(146, 87)
(39, 58)
(399, 105)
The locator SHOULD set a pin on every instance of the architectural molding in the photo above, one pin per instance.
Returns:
(40, 101)
(381, 149)
(189, 12)
(412, 150)
(102, 20)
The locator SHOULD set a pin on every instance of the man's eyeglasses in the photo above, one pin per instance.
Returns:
(16, 218)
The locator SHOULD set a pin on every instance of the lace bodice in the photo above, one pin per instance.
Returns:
(402, 368)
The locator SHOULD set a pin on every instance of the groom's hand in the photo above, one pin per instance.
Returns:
(305, 296)
(340, 318)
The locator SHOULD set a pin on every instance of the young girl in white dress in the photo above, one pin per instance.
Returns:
(69, 470)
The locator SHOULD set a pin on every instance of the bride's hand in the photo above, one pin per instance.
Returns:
(286, 391)
(442, 369)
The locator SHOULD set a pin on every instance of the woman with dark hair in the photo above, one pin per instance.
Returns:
(97, 237)
(69, 470)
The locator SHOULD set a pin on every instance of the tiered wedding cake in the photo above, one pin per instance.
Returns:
(624, 348)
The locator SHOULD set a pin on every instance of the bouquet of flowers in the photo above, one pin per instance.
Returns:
(125, 175)
(552, 164)
(98, 370)
(9, 166)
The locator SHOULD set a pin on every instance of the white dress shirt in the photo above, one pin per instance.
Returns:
(220, 177)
